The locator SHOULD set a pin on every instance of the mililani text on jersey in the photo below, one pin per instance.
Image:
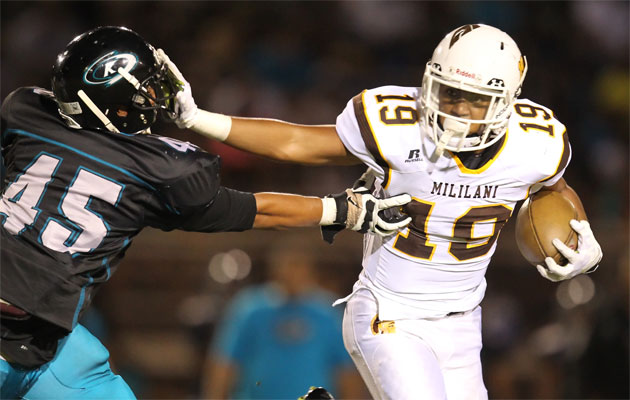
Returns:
(464, 191)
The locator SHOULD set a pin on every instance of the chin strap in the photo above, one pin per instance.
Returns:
(444, 140)
(94, 108)
(454, 135)
(99, 114)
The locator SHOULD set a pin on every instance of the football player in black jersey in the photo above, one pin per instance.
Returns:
(83, 177)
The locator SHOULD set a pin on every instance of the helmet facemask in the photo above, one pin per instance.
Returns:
(454, 133)
(154, 96)
(156, 92)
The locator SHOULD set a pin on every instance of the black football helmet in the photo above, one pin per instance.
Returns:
(317, 393)
(110, 79)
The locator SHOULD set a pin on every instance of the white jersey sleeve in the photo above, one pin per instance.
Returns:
(392, 108)
(350, 134)
(544, 143)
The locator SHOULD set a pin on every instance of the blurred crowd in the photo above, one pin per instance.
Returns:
(302, 61)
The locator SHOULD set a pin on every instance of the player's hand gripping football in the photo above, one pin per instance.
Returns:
(357, 209)
(185, 108)
(583, 260)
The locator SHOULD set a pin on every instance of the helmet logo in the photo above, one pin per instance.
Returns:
(104, 71)
(461, 31)
(496, 82)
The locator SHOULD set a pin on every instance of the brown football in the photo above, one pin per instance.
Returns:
(544, 216)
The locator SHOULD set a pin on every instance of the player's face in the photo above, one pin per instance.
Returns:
(463, 104)
(153, 95)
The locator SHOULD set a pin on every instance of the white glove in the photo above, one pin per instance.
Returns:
(583, 260)
(358, 210)
(185, 107)
(363, 213)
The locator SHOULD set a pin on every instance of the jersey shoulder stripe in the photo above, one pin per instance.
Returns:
(564, 158)
(369, 138)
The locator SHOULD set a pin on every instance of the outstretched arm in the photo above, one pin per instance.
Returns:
(271, 138)
(281, 210)
(588, 254)
(284, 141)
(354, 209)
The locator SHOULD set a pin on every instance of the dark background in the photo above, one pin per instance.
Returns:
(302, 61)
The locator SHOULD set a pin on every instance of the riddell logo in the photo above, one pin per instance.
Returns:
(465, 74)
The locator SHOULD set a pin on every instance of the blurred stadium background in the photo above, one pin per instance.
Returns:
(301, 61)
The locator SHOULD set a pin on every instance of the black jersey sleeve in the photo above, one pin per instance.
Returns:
(229, 211)
(4, 113)
(4, 110)
(197, 187)
(5, 141)
(190, 188)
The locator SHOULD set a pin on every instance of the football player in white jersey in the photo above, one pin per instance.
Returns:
(467, 150)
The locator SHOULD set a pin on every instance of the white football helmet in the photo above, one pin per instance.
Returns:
(482, 64)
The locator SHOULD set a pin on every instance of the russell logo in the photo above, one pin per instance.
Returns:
(104, 71)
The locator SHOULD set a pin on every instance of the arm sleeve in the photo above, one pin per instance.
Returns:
(230, 211)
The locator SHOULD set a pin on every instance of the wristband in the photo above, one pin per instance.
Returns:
(213, 125)
(329, 211)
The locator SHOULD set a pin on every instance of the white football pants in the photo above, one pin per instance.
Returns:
(415, 359)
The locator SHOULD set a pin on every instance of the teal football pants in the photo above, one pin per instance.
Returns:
(80, 370)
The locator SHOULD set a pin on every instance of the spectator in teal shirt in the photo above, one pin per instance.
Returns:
(279, 338)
